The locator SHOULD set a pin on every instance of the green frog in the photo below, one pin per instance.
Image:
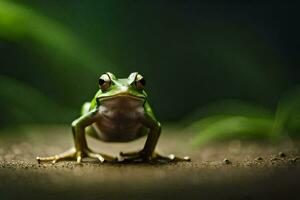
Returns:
(119, 112)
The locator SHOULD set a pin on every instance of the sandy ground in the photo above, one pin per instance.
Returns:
(252, 171)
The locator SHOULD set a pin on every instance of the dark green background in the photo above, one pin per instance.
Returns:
(191, 54)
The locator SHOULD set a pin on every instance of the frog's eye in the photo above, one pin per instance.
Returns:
(104, 82)
(140, 82)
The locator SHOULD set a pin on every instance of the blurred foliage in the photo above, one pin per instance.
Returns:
(19, 23)
(191, 54)
(238, 120)
(15, 95)
(28, 31)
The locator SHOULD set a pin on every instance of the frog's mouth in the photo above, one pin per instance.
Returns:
(122, 96)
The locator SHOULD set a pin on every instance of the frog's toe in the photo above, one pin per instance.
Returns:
(54, 159)
(96, 155)
(78, 159)
(101, 157)
(63, 156)
(46, 159)
(172, 158)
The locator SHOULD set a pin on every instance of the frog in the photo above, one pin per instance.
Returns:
(119, 112)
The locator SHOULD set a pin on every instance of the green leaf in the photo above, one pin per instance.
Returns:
(228, 127)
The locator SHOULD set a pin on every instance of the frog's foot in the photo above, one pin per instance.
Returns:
(72, 154)
(139, 156)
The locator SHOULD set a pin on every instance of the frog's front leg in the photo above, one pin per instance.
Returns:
(148, 154)
(81, 149)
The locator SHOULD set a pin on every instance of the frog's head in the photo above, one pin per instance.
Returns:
(111, 87)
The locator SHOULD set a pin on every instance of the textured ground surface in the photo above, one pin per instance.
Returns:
(253, 170)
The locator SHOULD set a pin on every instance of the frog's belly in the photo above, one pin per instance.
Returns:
(119, 120)
(112, 132)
